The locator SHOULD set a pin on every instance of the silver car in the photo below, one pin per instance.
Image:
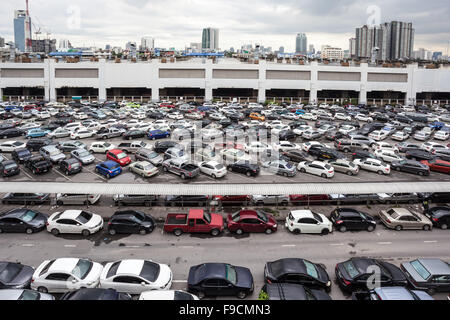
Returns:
(281, 167)
(23, 294)
(344, 166)
(428, 274)
(84, 156)
(261, 200)
(149, 155)
(83, 199)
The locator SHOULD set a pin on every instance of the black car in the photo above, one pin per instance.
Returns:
(297, 155)
(362, 154)
(15, 275)
(4, 126)
(133, 134)
(163, 146)
(38, 164)
(26, 198)
(370, 127)
(70, 166)
(21, 155)
(440, 216)
(287, 135)
(346, 219)
(257, 132)
(9, 168)
(419, 155)
(324, 153)
(10, 133)
(186, 200)
(37, 143)
(297, 123)
(22, 220)
(320, 123)
(245, 167)
(442, 154)
(134, 199)
(69, 146)
(334, 135)
(62, 121)
(354, 274)
(95, 294)
(411, 166)
(298, 271)
(131, 222)
(220, 279)
(155, 115)
(403, 119)
(291, 291)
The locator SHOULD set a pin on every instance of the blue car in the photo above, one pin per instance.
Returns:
(158, 134)
(436, 125)
(36, 133)
(300, 111)
(108, 169)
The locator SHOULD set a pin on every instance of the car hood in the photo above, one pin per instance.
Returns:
(397, 274)
(320, 295)
(58, 156)
(216, 220)
(164, 276)
(94, 221)
(94, 274)
(22, 279)
(244, 277)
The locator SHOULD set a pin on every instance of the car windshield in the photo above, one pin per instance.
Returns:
(236, 216)
(106, 145)
(317, 217)
(84, 217)
(82, 269)
(149, 167)
(121, 155)
(231, 274)
(311, 269)
(17, 143)
(28, 216)
(207, 217)
(219, 166)
(150, 271)
(153, 155)
(240, 153)
(84, 154)
(10, 166)
(393, 214)
(29, 295)
(262, 216)
(421, 270)
(351, 269)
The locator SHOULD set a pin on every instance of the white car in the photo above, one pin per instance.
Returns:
(378, 135)
(307, 145)
(66, 274)
(74, 221)
(59, 133)
(428, 146)
(342, 116)
(363, 117)
(82, 134)
(285, 146)
(93, 125)
(10, 146)
(317, 168)
(346, 129)
(132, 123)
(308, 116)
(234, 155)
(143, 126)
(388, 155)
(251, 123)
(101, 147)
(276, 129)
(290, 116)
(29, 126)
(211, 134)
(175, 116)
(80, 116)
(138, 115)
(74, 126)
(144, 169)
(306, 221)
(400, 136)
(213, 169)
(273, 123)
(43, 115)
(257, 147)
(167, 295)
(442, 135)
(373, 165)
(135, 276)
(302, 129)
(384, 146)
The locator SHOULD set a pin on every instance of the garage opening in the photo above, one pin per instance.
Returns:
(338, 96)
(113, 94)
(433, 97)
(244, 94)
(383, 97)
(16, 93)
(85, 93)
(187, 94)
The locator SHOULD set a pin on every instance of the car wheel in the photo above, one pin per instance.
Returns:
(323, 175)
(249, 174)
(296, 231)
(269, 231)
(112, 232)
(370, 228)
(178, 232)
(303, 170)
(431, 291)
(241, 295)
(200, 294)
(398, 228)
(343, 229)
(239, 231)
(43, 289)
(59, 203)
(421, 173)
(86, 233)
(55, 232)
(284, 203)
(215, 232)
(325, 232)
(213, 176)
(1, 230)
(349, 173)
(426, 227)
(444, 226)
(183, 176)
(398, 169)
(143, 232)
(380, 172)
(230, 169)
(104, 137)
(108, 176)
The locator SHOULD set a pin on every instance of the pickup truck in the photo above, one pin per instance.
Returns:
(38, 164)
(181, 167)
(196, 221)
(106, 133)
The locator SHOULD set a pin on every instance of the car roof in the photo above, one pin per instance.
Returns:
(210, 271)
(63, 265)
(402, 211)
(435, 266)
(394, 293)
(287, 266)
(69, 214)
(302, 214)
(130, 266)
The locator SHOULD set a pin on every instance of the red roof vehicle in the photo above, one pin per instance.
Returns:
(251, 221)
(118, 156)
(196, 221)
(437, 165)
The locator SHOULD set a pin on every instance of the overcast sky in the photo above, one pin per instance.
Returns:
(176, 23)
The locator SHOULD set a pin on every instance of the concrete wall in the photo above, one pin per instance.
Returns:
(226, 74)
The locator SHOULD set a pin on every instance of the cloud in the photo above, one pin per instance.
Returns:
(270, 22)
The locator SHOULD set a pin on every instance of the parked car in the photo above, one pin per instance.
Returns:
(437, 165)
(306, 221)
(213, 169)
(173, 295)
(244, 167)
(317, 168)
(411, 166)
(10, 146)
(373, 165)
(196, 221)
(95, 294)
(209, 279)
(297, 271)
(76, 199)
(15, 275)
(347, 219)
(191, 200)
(74, 221)
(38, 165)
(66, 274)
(131, 221)
(353, 274)
(391, 293)
(149, 155)
(22, 221)
(23, 294)
(68, 146)
(26, 198)
(261, 200)
(134, 200)
(9, 168)
(427, 274)
(144, 169)
(251, 221)
(344, 166)
(21, 155)
(402, 218)
(440, 217)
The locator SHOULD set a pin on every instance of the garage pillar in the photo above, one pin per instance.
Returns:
(208, 94)
(155, 94)
(362, 95)
(1, 94)
(261, 95)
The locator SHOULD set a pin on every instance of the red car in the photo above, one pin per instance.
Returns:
(118, 156)
(166, 105)
(302, 198)
(437, 165)
(224, 200)
(251, 221)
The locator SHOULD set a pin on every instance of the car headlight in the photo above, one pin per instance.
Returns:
(275, 225)
(328, 283)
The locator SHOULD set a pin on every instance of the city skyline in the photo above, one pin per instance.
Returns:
(328, 27)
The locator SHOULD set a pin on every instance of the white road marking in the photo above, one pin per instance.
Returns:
(336, 244)
(27, 245)
(67, 178)
(384, 242)
(186, 247)
(430, 241)
(288, 245)
(179, 281)
(70, 245)
(26, 173)
(132, 246)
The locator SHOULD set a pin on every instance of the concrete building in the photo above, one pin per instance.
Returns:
(44, 46)
(352, 47)
(301, 44)
(311, 49)
(2, 42)
(402, 40)
(210, 39)
(147, 43)
(332, 53)
(22, 30)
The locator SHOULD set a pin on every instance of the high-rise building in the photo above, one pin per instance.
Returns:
(22, 31)
(437, 55)
(352, 47)
(281, 50)
(210, 39)
(147, 43)
(402, 40)
(64, 44)
(301, 43)
(311, 49)
(2, 42)
(43, 46)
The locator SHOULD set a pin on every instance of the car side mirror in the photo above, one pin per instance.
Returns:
(74, 280)
(143, 283)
